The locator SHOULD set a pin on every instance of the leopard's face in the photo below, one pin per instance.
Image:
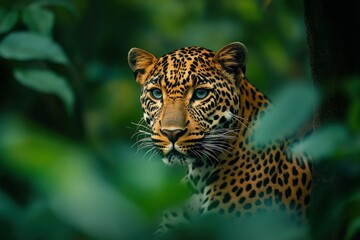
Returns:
(189, 98)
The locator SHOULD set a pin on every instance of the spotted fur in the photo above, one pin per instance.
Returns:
(201, 111)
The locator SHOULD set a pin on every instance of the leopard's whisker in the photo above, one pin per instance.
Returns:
(140, 141)
(148, 151)
(141, 125)
(155, 152)
(239, 119)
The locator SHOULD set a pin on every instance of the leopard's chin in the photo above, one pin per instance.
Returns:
(174, 157)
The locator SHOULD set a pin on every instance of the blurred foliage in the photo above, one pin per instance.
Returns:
(286, 105)
(68, 100)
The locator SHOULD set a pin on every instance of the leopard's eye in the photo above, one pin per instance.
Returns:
(156, 93)
(200, 93)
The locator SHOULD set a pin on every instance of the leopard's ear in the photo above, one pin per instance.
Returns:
(141, 62)
(232, 58)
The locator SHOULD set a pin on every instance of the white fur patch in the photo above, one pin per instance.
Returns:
(166, 161)
(228, 115)
(145, 116)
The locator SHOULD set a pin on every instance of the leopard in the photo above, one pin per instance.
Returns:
(202, 112)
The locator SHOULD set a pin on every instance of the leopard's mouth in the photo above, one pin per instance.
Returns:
(175, 157)
(174, 153)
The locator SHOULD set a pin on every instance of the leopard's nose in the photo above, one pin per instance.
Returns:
(173, 134)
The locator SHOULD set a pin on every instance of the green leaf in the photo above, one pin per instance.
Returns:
(292, 107)
(8, 208)
(249, 10)
(354, 115)
(161, 188)
(47, 82)
(324, 142)
(31, 46)
(75, 190)
(55, 3)
(38, 20)
(354, 228)
(8, 21)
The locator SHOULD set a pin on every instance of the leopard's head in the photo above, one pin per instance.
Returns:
(190, 98)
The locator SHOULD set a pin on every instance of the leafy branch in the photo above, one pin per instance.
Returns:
(22, 48)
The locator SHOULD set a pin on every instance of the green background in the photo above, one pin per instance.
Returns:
(69, 163)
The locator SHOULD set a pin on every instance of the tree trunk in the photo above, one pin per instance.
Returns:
(333, 29)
